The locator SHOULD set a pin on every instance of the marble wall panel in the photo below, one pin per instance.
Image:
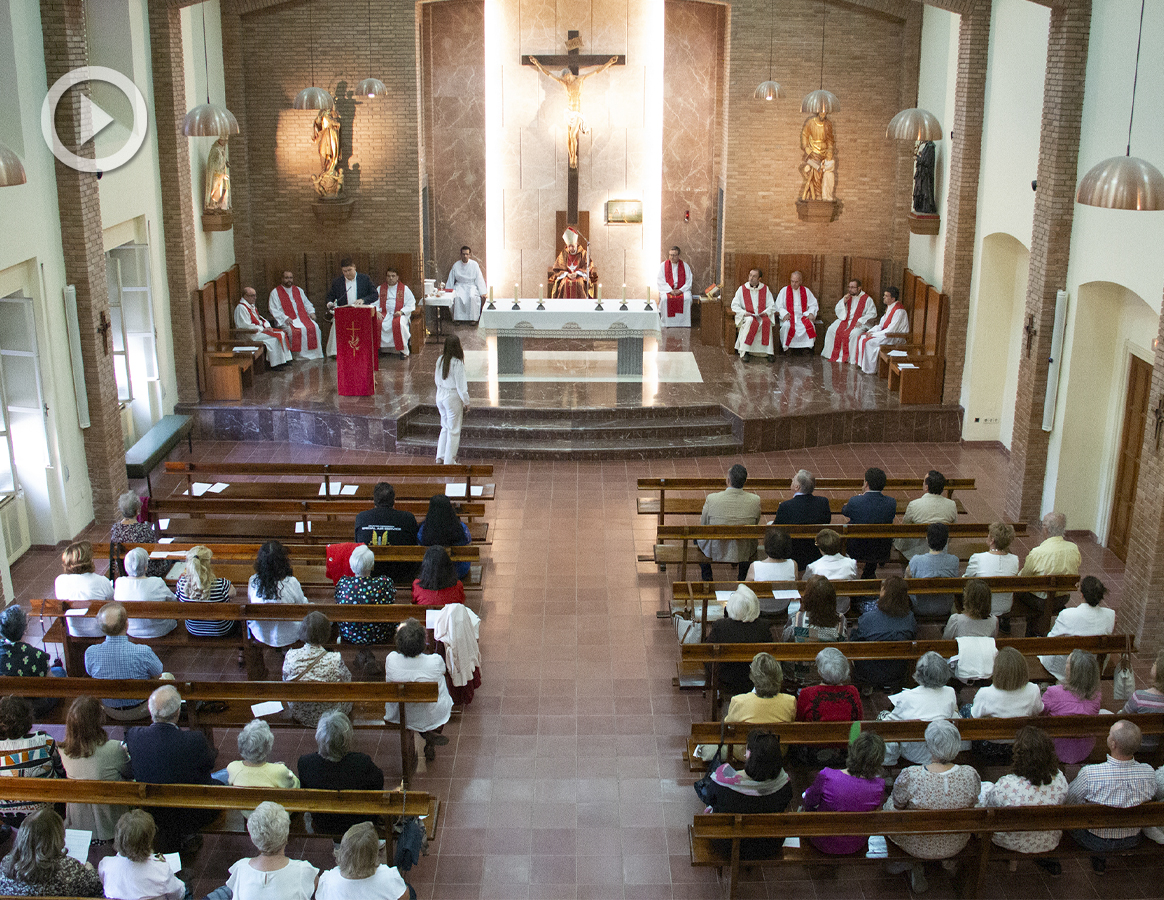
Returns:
(637, 144)
(623, 94)
(509, 156)
(538, 26)
(608, 27)
(521, 95)
(521, 218)
(575, 15)
(539, 157)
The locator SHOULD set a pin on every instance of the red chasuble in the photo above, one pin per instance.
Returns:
(853, 310)
(754, 307)
(397, 334)
(674, 280)
(805, 320)
(292, 302)
(256, 319)
(357, 346)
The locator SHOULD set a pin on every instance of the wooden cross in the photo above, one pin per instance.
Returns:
(1158, 412)
(572, 60)
(1031, 331)
(103, 330)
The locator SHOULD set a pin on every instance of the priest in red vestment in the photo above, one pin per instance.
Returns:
(674, 282)
(574, 274)
(248, 318)
(295, 314)
(797, 308)
(855, 311)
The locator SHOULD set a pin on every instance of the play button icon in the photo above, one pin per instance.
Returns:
(94, 119)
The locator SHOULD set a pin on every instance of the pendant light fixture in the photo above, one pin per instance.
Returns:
(312, 97)
(207, 119)
(11, 169)
(1125, 182)
(770, 90)
(821, 101)
(914, 124)
(370, 87)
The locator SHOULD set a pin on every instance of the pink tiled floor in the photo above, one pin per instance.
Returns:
(564, 778)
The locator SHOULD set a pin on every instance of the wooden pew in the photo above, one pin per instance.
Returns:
(239, 696)
(708, 833)
(684, 550)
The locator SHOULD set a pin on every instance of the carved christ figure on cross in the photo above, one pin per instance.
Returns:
(575, 121)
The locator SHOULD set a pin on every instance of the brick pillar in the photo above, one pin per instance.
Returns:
(962, 199)
(177, 203)
(79, 206)
(1050, 246)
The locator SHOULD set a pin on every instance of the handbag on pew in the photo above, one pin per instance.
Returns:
(1123, 683)
(365, 667)
(703, 785)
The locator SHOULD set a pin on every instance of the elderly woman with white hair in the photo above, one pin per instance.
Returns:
(337, 767)
(939, 785)
(932, 699)
(313, 662)
(128, 530)
(359, 874)
(255, 743)
(138, 586)
(740, 625)
(271, 873)
(835, 699)
(364, 587)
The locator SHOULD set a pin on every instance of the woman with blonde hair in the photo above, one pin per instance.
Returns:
(1148, 700)
(994, 562)
(975, 618)
(78, 581)
(359, 874)
(198, 585)
(89, 755)
(1010, 694)
(137, 872)
(1077, 695)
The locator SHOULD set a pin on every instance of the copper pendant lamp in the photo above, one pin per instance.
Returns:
(11, 169)
(207, 119)
(914, 124)
(820, 101)
(371, 87)
(312, 97)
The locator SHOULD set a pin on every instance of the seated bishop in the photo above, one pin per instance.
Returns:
(856, 311)
(394, 306)
(797, 308)
(755, 317)
(574, 274)
(890, 330)
(247, 318)
(468, 286)
(295, 314)
(674, 281)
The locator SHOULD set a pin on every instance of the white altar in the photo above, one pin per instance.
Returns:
(570, 319)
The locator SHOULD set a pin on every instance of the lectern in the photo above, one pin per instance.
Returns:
(356, 344)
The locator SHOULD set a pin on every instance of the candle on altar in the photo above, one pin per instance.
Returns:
(541, 293)
(515, 290)
(490, 293)
(624, 293)
(600, 293)
(649, 293)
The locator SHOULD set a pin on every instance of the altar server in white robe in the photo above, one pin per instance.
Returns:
(674, 282)
(394, 304)
(890, 330)
(755, 317)
(468, 286)
(295, 314)
(247, 318)
(856, 311)
(797, 308)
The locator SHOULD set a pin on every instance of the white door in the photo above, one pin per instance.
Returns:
(135, 353)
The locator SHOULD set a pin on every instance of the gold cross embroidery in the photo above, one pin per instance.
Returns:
(354, 343)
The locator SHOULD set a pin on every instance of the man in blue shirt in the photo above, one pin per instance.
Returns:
(117, 658)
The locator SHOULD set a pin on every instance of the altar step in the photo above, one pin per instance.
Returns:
(492, 432)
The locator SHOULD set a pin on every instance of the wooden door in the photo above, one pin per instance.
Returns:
(1128, 463)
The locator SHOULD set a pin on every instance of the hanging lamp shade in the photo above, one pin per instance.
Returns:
(372, 88)
(1123, 182)
(914, 124)
(769, 90)
(209, 120)
(820, 101)
(313, 98)
(11, 169)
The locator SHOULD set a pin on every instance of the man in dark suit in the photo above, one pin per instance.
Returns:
(804, 509)
(351, 287)
(871, 508)
(162, 753)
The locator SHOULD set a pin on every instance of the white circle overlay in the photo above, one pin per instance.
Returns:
(137, 133)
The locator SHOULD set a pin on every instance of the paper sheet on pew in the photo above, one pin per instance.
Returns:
(267, 708)
(217, 488)
(299, 527)
(878, 849)
(335, 489)
(77, 844)
(430, 618)
(174, 861)
(165, 540)
(75, 612)
(199, 488)
(163, 524)
(898, 353)
(906, 366)
(167, 554)
(458, 490)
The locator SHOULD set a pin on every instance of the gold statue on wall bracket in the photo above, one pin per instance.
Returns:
(325, 134)
(819, 166)
(217, 193)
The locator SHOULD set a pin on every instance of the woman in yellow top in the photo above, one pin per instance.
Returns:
(764, 704)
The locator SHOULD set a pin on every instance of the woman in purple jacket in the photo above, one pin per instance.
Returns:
(858, 787)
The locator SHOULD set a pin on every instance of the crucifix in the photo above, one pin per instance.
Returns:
(1031, 331)
(1158, 413)
(571, 80)
(103, 330)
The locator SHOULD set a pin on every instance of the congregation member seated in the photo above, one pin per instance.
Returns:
(386, 526)
(198, 584)
(136, 586)
(1054, 556)
(733, 506)
(37, 864)
(118, 659)
(162, 753)
(777, 564)
(335, 766)
(78, 581)
(764, 703)
(24, 753)
(833, 700)
(437, 583)
(364, 587)
(996, 562)
(818, 618)
(137, 872)
(803, 509)
(1120, 782)
(891, 619)
(128, 530)
(21, 660)
(939, 784)
(359, 874)
(442, 527)
(929, 507)
(1010, 694)
(1088, 618)
(1149, 699)
(871, 507)
(408, 662)
(1035, 779)
(272, 873)
(274, 583)
(975, 618)
(832, 564)
(313, 662)
(858, 787)
(1077, 695)
(254, 769)
(932, 699)
(740, 624)
(762, 787)
(88, 754)
(937, 563)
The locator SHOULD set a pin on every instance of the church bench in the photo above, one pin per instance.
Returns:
(684, 550)
(714, 838)
(693, 506)
(153, 446)
(238, 696)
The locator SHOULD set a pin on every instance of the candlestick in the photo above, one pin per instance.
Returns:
(648, 306)
(600, 293)
(624, 292)
(490, 293)
(516, 305)
(541, 293)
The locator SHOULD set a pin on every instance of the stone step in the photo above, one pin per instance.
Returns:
(565, 448)
(427, 426)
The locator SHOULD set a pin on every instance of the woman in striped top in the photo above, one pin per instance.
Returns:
(198, 585)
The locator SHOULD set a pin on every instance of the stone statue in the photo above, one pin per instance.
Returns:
(325, 134)
(217, 194)
(923, 179)
(575, 121)
(819, 166)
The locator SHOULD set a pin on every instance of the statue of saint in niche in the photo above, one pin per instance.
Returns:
(217, 193)
(924, 165)
(819, 166)
(325, 134)
(575, 121)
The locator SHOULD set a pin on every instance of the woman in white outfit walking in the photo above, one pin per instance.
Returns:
(452, 399)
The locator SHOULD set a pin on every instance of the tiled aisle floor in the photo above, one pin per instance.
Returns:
(564, 778)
